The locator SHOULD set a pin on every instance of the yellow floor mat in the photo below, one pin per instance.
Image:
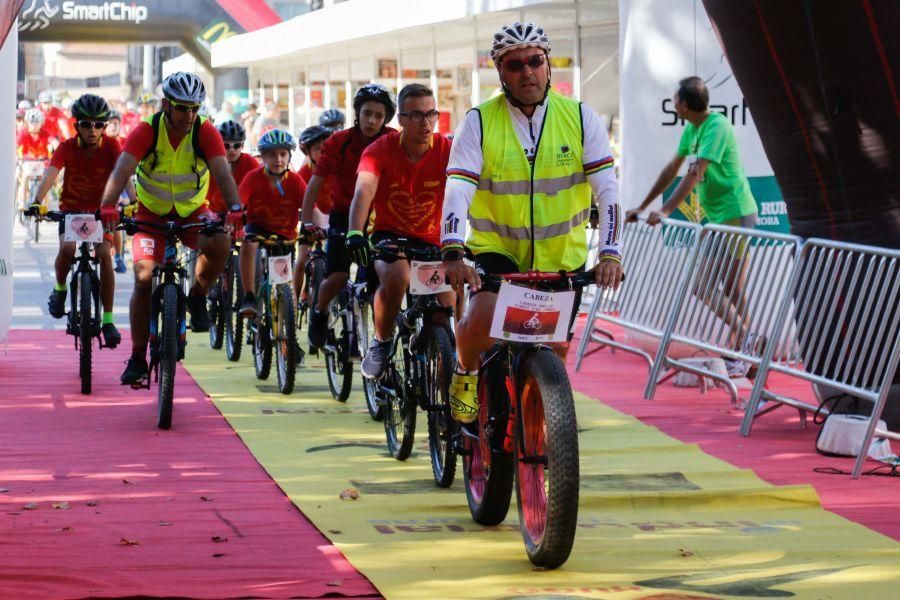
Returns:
(658, 518)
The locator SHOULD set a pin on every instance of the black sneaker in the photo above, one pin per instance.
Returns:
(111, 335)
(318, 324)
(57, 304)
(248, 307)
(136, 373)
(375, 362)
(199, 314)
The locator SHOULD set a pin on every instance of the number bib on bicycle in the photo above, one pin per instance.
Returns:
(528, 315)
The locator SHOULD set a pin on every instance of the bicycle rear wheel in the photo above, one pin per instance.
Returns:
(262, 341)
(400, 409)
(547, 475)
(286, 340)
(487, 468)
(232, 293)
(216, 307)
(441, 426)
(363, 324)
(168, 354)
(85, 330)
(337, 362)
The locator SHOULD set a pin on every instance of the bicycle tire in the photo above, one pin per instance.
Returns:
(337, 365)
(286, 341)
(85, 330)
(234, 324)
(370, 387)
(400, 409)
(214, 307)
(168, 354)
(36, 234)
(262, 342)
(439, 359)
(547, 494)
(488, 473)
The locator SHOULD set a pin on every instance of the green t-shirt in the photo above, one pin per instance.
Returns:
(724, 191)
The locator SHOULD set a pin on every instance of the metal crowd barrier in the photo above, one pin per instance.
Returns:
(715, 311)
(656, 261)
(843, 301)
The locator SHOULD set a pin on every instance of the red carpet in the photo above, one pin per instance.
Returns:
(183, 513)
(778, 450)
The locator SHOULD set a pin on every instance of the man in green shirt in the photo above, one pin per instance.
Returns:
(724, 192)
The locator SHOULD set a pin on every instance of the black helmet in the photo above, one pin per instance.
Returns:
(331, 118)
(90, 106)
(311, 135)
(375, 92)
(231, 130)
(184, 87)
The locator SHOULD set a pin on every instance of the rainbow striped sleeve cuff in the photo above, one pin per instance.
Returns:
(463, 175)
(598, 165)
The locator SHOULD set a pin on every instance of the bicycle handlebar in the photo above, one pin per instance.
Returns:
(575, 278)
(396, 247)
(132, 226)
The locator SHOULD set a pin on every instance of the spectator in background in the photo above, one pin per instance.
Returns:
(225, 114)
(715, 171)
(248, 120)
(268, 120)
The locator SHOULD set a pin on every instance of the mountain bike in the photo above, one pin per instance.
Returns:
(526, 432)
(420, 364)
(168, 307)
(274, 326)
(227, 326)
(314, 275)
(83, 320)
(31, 171)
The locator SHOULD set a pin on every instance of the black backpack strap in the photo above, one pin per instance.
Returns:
(195, 145)
(154, 124)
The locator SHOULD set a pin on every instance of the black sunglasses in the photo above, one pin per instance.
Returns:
(234, 146)
(417, 116)
(90, 124)
(515, 65)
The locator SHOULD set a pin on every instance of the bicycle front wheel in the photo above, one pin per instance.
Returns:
(400, 409)
(337, 363)
(262, 341)
(547, 475)
(232, 292)
(363, 324)
(85, 330)
(168, 354)
(285, 341)
(216, 305)
(441, 426)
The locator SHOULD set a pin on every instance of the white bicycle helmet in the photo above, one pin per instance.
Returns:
(518, 35)
(34, 116)
(45, 96)
(184, 87)
(25, 104)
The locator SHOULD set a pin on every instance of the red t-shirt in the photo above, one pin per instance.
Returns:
(339, 159)
(52, 117)
(33, 146)
(141, 138)
(325, 200)
(85, 176)
(245, 163)
(267, 208)
(410, 195)
(130, 120)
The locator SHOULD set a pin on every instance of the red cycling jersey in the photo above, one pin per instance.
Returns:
(339, 159)
(85, 174)
(244, 164)
(267, 207)
(33, 146)
(325, 200)
(410, 195)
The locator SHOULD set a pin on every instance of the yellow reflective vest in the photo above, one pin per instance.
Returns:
(172, 177)
(535, 214)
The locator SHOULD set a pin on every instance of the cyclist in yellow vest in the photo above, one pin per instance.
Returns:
(173, 153)
(523, 169)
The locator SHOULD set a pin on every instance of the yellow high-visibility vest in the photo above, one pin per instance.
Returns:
(533, 214)
(172, 177)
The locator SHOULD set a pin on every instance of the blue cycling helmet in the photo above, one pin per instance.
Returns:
(276, 139)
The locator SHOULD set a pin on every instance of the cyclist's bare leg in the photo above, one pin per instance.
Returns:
(107, 275)
(64, 260)
(394, 279)
(214, 251)
(248, 266)
(117, 237)
(472, 331)
(139, 310)
(300, 270)
(333, 284)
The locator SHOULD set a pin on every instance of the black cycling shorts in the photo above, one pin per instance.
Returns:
(337, 257)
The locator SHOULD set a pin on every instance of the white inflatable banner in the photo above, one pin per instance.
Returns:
(8, 63)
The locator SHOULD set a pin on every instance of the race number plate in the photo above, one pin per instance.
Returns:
(83, 228)
(527, 315)
(280, 270)
(427, 278)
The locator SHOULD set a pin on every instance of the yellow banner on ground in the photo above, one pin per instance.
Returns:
(658, 518)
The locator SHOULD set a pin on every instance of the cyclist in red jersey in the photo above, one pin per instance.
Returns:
(402, 177)
(374, 108)
(88, 158)
(57, 123)
(114, 131)
(233, 136)
(311, 140)
(34, 142)
(272, 195)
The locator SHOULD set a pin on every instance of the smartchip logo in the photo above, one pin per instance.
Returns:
(108, 11)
